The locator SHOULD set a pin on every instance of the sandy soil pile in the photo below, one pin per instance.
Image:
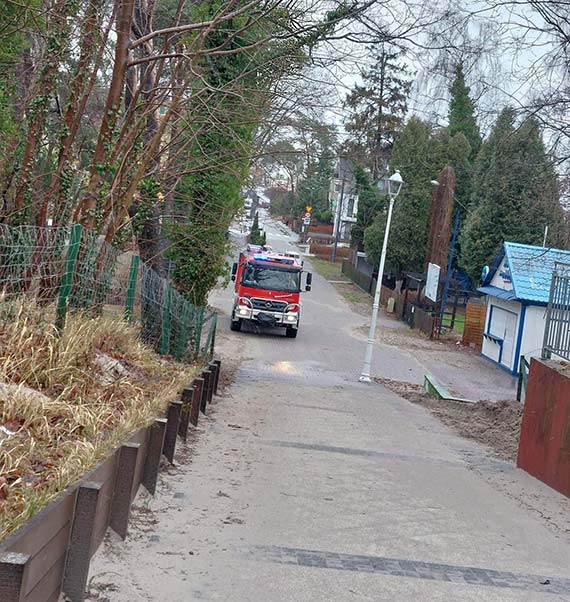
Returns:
(496, 425)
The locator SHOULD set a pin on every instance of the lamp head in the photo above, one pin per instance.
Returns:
(395, 183)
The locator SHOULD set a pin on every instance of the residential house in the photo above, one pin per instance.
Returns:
(517, 288)
(343, 198)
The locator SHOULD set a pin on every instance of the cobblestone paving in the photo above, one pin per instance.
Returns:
(409, 568)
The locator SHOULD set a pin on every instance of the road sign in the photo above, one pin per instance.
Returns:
(307, 220)
(309, 208)
(432, 283)
(307, 216)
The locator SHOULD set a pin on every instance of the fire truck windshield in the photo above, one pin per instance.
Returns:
(269, 278)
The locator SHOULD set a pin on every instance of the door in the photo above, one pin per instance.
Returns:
(503, 326)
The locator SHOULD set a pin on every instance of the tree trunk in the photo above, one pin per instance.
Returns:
(81, 86)
(45, 86)
(87, 209)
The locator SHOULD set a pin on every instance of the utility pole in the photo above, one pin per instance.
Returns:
(339, 221)
(448, 273)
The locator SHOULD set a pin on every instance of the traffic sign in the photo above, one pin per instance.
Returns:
(307, 220)
(309, 208)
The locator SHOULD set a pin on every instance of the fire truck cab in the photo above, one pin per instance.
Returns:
(267, 290)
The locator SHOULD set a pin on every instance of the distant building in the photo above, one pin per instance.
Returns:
(517, 288)
(343, 198)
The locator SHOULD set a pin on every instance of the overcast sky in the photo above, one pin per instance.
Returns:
(502, 45)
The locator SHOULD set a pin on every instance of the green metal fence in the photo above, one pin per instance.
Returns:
(366, 283)
(72, 269)
(523, 378)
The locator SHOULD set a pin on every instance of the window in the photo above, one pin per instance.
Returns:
(270, 278)
(502, 326)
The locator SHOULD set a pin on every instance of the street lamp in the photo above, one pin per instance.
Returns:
(395, 183)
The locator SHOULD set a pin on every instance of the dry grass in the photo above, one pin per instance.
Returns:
(66, 401)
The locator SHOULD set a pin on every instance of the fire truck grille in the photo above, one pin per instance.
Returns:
(268, 304)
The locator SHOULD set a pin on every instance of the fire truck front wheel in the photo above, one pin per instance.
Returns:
(235, 325)
(291, 333)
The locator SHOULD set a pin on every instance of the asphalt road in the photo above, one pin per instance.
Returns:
(305, 485)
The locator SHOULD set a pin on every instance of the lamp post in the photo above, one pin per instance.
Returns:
(395, 183)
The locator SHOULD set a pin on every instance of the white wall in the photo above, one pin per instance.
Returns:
(498, 280)
(533, 331)
(491, 349)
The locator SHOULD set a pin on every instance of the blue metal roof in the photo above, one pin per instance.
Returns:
(530, 270)
(495, 291)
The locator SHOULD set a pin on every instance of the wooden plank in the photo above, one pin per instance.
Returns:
(43, 526)
(214, 369)
(47, 557)
(141, 458)
(103, 515)
(121, 502)
(206, 374)
(186, 398)
(139, 436)
(105, 470)
(49, 584)
(55, 596)
(79, 550)
(153, 455)
(218, 372)
(196, 401)
(172, 423)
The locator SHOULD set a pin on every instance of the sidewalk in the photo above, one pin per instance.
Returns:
(407, 355)
(299, 492)
(463, 371)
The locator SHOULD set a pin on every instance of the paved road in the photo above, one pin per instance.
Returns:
(305, 485)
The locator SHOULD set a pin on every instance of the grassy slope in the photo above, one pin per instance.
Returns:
(66, 401)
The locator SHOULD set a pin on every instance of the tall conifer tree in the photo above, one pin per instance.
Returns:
(378, 108)
(515, 194)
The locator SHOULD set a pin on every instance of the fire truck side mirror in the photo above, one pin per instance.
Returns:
(309, 281)
(234, 270)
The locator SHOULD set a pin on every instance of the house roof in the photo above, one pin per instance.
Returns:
(495, 291)
(530, 269)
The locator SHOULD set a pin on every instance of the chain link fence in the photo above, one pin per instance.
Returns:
(74, 269)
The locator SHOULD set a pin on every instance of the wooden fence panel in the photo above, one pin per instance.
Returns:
(424, 321)
(475, 317)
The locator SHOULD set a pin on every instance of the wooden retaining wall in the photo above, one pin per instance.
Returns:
(51, 552)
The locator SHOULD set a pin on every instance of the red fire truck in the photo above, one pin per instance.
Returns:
(267, 289)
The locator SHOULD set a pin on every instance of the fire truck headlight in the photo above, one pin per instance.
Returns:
(291, 317)
(244, 311)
